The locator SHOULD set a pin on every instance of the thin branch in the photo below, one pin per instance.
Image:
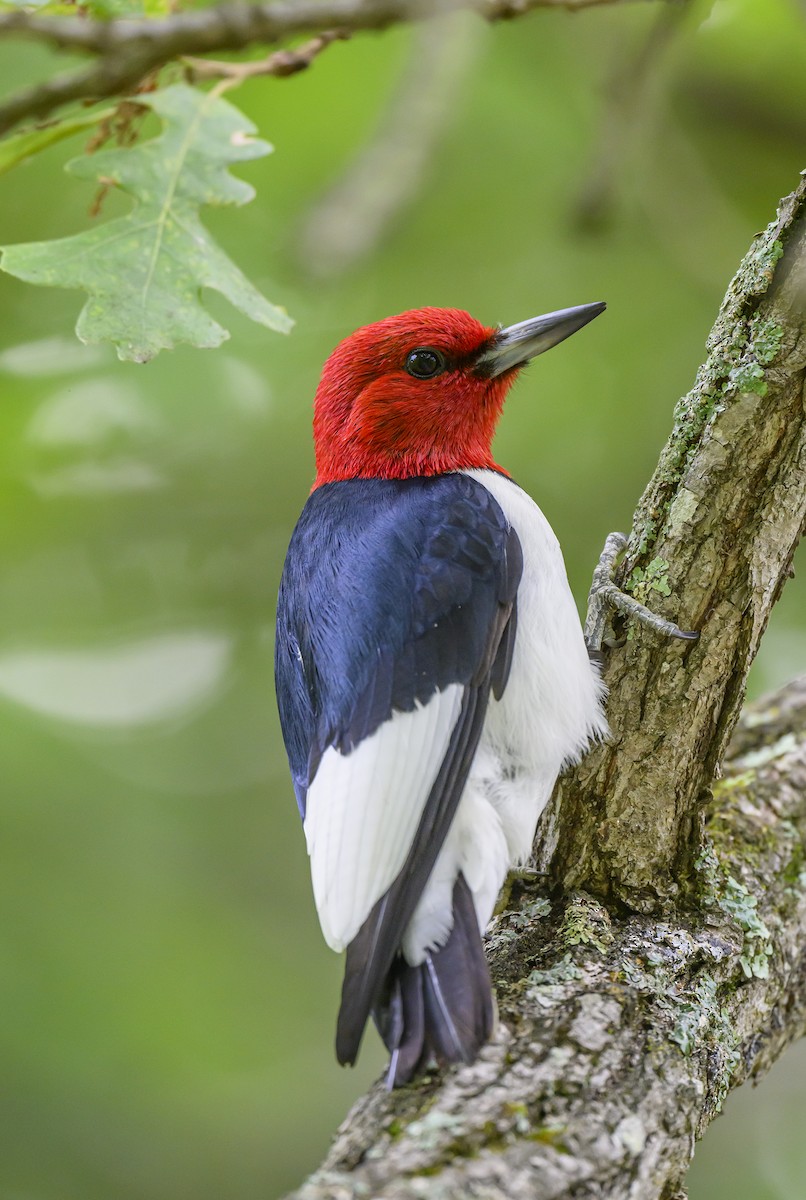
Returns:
(127, 49)
(105, 78)
(279, 64)
(234, 26)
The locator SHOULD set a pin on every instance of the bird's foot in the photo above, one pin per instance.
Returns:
(519, 879)
(605, 595)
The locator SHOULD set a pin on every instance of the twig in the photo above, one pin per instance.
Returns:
(128, 49)
(279, 64)
(102, 79)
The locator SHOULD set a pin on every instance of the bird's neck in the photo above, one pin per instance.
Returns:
(384, 436)
(358, 464)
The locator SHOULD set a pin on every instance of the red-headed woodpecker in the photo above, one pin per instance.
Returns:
(432, 675)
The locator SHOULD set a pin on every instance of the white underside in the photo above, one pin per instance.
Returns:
(363, 808)
(550, 711)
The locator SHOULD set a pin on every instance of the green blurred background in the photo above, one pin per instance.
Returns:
(167, 1004)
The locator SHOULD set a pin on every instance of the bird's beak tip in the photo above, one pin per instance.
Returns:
(517, 344)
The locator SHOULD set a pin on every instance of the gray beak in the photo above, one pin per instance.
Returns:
(515, 345)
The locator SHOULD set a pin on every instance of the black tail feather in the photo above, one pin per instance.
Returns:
(372, 952)
(443, 1009)
(402, 1026)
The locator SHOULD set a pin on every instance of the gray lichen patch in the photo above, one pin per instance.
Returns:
(430, 1130)
(747, 372)
(722, 890)
(632, 1134)
(586, 922)
(510, 922)
(545, 986)
(652, 578)
(704, 1024)
(573, 945)
(758, 265)
(596, 1019)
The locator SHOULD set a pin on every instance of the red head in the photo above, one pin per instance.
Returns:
(421, 393)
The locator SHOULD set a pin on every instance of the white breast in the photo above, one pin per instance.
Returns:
(551, 708)
(549, 713)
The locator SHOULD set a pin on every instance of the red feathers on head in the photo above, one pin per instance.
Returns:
(374, 419)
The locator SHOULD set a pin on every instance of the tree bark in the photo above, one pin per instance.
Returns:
(620, 1036)
(629, 1009)
(712, 544)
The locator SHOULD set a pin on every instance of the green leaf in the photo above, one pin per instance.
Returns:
(51, 7)
(144, 272)
(106, 9)
(15, 149)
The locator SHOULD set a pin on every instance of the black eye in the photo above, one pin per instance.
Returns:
(424, 363)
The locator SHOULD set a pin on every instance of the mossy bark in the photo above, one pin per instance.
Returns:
(620, 1036)
(670, 962)
(712, 543)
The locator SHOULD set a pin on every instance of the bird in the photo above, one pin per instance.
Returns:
(431, 672)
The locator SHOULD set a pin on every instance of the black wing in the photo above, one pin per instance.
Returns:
(392, 591)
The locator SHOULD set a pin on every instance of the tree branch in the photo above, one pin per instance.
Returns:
(624, 1027)
(620, 1037)
(128, 49)
(629, 106)
(712, 545)
(280, 64)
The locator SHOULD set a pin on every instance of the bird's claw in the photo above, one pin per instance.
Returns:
(605, 595)
(518, 879)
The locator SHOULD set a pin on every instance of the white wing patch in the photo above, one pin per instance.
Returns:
(363, 810)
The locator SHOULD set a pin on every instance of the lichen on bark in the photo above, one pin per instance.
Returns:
(620, 1034)
(712, 542)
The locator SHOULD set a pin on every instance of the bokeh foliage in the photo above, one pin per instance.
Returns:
(168, 1003)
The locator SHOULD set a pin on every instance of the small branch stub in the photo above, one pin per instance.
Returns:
(280, 64)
